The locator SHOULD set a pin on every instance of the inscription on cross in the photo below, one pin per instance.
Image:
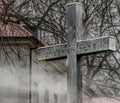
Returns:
(83, 47)
(73, 48)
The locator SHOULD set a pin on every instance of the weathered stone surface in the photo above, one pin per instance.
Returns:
(96, 45)
(83, 47)
(73, 48)
(52, 52)
(74, 77)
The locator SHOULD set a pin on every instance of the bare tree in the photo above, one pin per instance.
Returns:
(100, 18)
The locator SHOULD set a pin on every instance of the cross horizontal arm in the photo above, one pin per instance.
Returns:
(83, 47)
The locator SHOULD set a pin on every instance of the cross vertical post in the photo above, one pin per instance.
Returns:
(74, 49)
(74, 74)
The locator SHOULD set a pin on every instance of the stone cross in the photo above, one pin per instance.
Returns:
(73, 49)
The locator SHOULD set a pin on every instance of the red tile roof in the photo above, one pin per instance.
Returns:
(13, 30)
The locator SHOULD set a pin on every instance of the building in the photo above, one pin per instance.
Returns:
(23, 77)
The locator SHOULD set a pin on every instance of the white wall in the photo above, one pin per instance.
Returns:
(14, 78)
(48, 85)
